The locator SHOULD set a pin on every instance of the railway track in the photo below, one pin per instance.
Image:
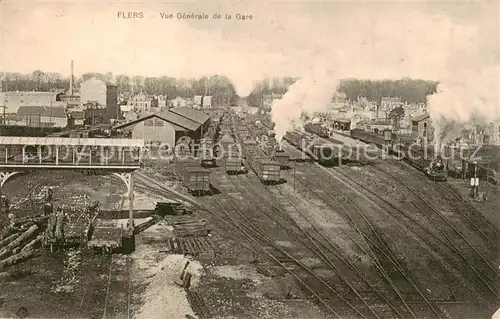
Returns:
(467, 271)
(461, 246)
(251, 233)
(475, 219)
(255, 235)
(376, 247)
(118, 297)
(112, 280)
(323, 247)
(318, 244)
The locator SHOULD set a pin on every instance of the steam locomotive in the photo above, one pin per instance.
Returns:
(434, 166)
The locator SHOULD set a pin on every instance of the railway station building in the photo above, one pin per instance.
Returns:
(167, 127)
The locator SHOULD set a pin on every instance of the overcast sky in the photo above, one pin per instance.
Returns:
(431, 40)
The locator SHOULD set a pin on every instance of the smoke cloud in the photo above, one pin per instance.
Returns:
(463, 57)
(306, 96)
(359, 40)
(460, 103)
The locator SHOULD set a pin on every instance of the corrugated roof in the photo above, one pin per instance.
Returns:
(47, 111)
(192, 114)
(23, 140)
(180, 123)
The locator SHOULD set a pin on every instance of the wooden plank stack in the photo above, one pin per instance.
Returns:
(20, 239)
(191, 228)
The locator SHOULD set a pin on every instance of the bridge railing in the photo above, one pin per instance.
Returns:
(70, 155)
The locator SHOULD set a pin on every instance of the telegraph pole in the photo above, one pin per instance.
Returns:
(476, 181)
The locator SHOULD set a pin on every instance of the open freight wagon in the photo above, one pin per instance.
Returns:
(194, 177)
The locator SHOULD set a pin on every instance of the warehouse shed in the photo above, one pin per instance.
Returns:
(166, 127)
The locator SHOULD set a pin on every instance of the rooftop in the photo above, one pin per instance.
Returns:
(419, 118)
(179, 122)
(57, 112)
(192, 114)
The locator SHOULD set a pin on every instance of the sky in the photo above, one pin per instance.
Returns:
(433, 40)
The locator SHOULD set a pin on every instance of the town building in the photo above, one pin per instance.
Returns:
(197, 101)
(105, 94)
(167, 127)
(421, 128)
(142, 103)
(376, 125)
(178, 102)
(162, 101)
(12, 100)
(41, 116)
(207, 102)
(388, 103)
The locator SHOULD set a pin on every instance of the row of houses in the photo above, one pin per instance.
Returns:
(142, 102)
(97, 103)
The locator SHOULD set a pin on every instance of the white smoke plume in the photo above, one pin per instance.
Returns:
(306, 96)
(460, 103)
(463, 57)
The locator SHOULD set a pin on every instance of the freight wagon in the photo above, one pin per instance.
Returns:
(316, 129)
(273, 151)
(373, 138)
(234, 166)
(206, 152)
(195, 178)
(268, 171)
(324, 154)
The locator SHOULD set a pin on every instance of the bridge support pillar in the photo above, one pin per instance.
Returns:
(4, 176)
(128, 179)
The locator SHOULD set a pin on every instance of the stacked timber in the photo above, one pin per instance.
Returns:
(191, 228)
(20, 239)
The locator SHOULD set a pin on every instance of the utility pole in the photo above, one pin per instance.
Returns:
(294, 177)
(476, 181)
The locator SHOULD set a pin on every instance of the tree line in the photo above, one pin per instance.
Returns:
(410, 90)
(219, 87)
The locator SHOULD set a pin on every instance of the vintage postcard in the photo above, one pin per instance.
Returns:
(249, 159)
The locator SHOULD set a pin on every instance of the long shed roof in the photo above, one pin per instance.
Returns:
(72, 141)
(192, 114)
(179, 122)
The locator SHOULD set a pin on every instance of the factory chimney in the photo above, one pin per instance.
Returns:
(71, 80)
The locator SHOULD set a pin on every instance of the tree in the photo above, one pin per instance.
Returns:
(37, 77)
(396, 115)
(123, 83)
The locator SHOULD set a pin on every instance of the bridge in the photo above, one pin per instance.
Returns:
(121, 157)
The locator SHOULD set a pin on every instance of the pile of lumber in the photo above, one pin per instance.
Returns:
(20, 239)
(190, 228)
